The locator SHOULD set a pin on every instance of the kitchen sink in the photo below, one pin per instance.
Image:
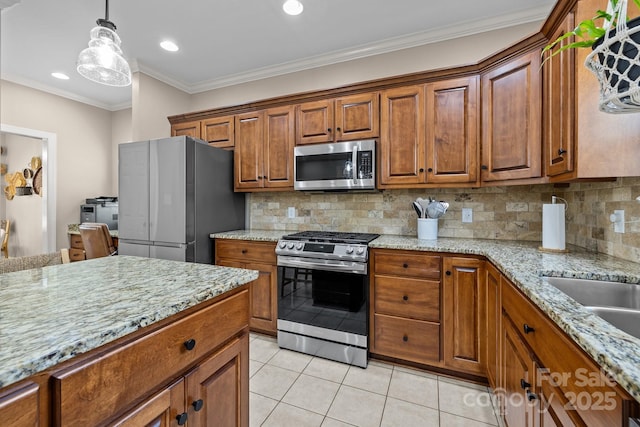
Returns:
(617, 303)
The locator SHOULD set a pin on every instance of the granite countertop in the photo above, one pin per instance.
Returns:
(73, 229)
(615, 351)
(50, 314)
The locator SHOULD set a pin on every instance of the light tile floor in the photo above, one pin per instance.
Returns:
(298, 390)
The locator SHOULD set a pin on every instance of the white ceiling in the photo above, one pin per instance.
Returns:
(225, 42)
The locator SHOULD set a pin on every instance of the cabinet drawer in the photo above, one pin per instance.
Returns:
(244, 250)
(19, 406)
(414, 298)
(76, 254)
(399, 263)
(102, 387)
(412, 340)
(577, 376)
(75, 241)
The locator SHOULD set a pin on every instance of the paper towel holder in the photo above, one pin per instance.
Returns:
(554, 199)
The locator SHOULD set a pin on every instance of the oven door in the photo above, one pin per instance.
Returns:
(331, 295)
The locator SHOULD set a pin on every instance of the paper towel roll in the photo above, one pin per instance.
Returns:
(553, 226)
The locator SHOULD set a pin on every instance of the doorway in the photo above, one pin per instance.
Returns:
(33, 216)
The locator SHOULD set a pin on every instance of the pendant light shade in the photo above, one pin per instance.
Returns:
(102, 61)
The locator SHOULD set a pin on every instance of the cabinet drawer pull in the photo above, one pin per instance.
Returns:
(561, 152)
(405, 265)
(197, 405)
(525, 385)
(531, 396)
(244, 251)
(527, 328)
(182, 419)
(405, 338)
(405, 297)
(190, 344)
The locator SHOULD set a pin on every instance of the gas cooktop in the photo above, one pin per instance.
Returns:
(332, 237)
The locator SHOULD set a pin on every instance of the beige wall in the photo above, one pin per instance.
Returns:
(84, 145)
(122, 131)
(462, 51)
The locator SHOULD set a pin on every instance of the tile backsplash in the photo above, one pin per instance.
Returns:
(505, 213)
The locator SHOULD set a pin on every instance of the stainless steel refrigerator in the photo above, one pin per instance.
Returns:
(173, 193)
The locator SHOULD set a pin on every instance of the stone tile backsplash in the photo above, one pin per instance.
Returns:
(504, 213)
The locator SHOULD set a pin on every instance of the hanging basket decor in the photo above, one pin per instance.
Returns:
(615, 60)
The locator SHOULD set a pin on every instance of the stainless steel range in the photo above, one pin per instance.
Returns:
(323, 294)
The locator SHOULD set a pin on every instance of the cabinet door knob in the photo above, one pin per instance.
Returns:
(244, 251)
(484, 167)
(527, 328)
(190, 344)
(329, 130)
(430, 170)
(339, 130)
(525, 385)
(197, 405)
(448, 273)
(561, 152)
(421, 170)
(405, 265)
(531, 396)
(405, 338)
(182, 419)
(405, 297)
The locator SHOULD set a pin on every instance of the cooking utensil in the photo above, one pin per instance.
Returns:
(423, 204)
(437, 209)
(418, 209)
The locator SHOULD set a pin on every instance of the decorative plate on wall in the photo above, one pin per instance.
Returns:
(37, 182)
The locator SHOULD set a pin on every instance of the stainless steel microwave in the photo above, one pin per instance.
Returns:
(336, 166)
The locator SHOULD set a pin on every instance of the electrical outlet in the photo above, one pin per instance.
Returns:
(467, 215)
(291, 212)
(617, 218)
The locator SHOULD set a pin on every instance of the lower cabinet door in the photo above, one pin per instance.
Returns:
(165, 409)
(554, 410)
(19, 406)
(218, 388)
(518, 371)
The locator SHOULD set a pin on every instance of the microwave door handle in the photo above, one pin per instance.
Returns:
(354, 163)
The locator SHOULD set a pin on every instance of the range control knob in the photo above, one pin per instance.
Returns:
(290, 245)
(299, 246)
(282, 245)
(360, 250)
(349, 250)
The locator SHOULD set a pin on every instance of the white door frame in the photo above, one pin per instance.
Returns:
(49, 142)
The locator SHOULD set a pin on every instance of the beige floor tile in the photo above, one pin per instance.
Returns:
(290, 360)
(415, 372)
(358, 407)
(463, 383)
(414, 388)
(327, 369)
(375, 378)
(259, 409)
(466, 401)
(311, 393)
(289, 416)
(398, 413)
(450, 420)
(330, 422)
(272, 381)
(254, 366)
(262, 350)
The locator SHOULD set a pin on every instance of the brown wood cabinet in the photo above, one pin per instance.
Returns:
(512, 120)
(264, 142)
(581, 141)
(561, 384)
(191, 129)
(219, 131)
(165, 409)
(405, 310)
(463, 309)
(429, 134)
(19, 405)
(346, 118)
(76, 249)
(263, 292)
(493, 316)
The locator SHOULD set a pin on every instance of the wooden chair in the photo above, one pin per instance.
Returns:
(96, 240)
(4, 247)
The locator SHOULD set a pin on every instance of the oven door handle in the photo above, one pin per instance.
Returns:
(324, 264)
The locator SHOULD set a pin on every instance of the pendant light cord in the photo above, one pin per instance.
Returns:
(106, 10)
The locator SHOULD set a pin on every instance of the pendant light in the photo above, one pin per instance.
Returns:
(102, 62)
(293, 7)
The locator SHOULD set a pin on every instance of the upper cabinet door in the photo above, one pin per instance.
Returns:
(219, 131)
(357, 117)
(512, 120)
(249, 150)
(278, 147)
(314, 122)
(402, 136)
(191, 129)
(452, 130)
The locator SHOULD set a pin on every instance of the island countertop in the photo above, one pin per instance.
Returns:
(51, 314)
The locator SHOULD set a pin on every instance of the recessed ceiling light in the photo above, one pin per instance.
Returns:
(292, 7)
(169, 46)
(61, 76)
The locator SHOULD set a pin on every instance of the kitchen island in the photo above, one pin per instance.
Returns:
(109, 314)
